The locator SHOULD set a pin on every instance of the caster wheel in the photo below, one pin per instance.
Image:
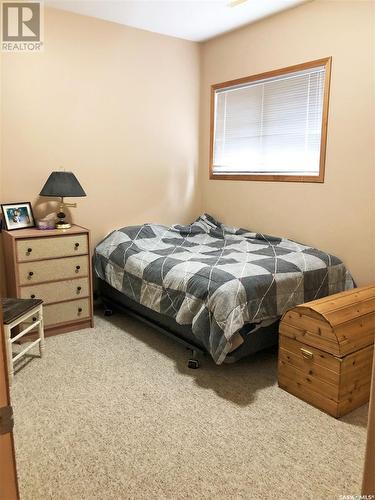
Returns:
(108, 312)
(193, 364)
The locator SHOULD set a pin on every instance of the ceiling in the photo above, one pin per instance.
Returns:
(195, 20)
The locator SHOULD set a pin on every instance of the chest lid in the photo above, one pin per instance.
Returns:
(338, 324)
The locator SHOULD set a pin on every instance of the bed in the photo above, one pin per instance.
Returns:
(216, 288)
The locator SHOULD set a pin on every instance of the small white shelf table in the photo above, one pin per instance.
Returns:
(22, 311)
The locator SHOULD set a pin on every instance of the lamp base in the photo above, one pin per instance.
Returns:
(63, 225)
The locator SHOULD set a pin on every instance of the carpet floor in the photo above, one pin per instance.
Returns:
(114, 413)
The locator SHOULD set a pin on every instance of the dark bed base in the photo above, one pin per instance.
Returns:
(114, 300)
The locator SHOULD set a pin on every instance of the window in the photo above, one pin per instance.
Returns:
(271, 126)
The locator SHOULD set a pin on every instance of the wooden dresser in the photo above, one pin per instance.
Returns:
(55, 266)
(326, 350)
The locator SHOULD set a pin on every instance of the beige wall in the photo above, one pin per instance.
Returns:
(119, 107)
(339, 215)
(2, 277)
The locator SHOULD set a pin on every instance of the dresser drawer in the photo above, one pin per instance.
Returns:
(48, 248)
(57, 291)
(50, 270)
(66, 311)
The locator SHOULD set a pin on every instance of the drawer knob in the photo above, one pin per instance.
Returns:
(306, 354)
(34, 318)
(32, 296)
(29, 250)
(76, 245)
(78, 268)
(31, 273)
(80, 309)
(79, 288)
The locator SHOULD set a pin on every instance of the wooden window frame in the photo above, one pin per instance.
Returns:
(327, 63)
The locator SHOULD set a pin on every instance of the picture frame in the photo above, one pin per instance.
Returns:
(18, 215)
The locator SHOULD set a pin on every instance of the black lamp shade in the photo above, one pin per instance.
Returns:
(62, 184)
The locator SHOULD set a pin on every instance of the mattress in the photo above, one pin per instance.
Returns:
(215, 278)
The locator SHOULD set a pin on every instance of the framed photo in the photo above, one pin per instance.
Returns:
(18, 215)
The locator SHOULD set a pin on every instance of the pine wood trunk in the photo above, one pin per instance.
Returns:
(326, 350)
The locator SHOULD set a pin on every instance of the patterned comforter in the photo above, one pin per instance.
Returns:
(214, 277)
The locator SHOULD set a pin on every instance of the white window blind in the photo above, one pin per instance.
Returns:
(271, 126)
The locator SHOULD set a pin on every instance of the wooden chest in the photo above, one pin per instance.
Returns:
(326, 350)
(54, 266)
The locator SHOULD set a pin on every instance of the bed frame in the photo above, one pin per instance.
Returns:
(113, 300)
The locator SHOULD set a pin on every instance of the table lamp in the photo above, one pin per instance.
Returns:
(62, 184)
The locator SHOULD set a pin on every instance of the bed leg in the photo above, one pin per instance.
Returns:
(108, 311)
(193, 362)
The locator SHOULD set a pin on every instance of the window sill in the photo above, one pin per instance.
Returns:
(267, 178)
